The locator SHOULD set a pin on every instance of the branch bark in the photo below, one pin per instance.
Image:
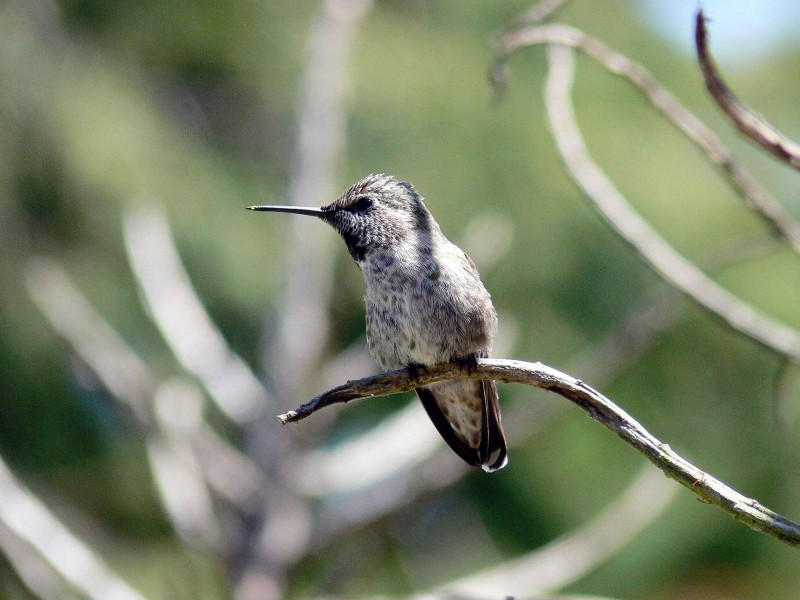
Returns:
(754, 195)
(601, 409)
(633, 229)
(752, 125)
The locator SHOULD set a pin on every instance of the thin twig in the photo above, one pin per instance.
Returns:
(755, 197)
(538, 13)
(752, 125)
(600, 408)
(637, 232)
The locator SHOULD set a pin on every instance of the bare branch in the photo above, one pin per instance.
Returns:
(38, 575)
(538, 13)
(600, 408)
(194, 338)
(175, 466)
(614, 207)
(363, 461)
(131, 382)
(25, 515)
(741, 181)
(572, 556)
(302, 327)
(752, 125)
(180, 483)
(122, 372)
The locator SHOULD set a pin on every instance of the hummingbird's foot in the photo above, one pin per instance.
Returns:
(414, 370)
(470, 363)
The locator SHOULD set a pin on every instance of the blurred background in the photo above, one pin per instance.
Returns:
(151, 328)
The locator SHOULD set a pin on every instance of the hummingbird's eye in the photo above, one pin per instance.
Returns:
(362, 204)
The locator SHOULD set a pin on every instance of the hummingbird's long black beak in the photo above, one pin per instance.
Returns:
(297, 210)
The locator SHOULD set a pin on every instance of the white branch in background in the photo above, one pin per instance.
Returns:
(193, 337)
(25, 515)
(174, 463)
(38, 575)
(302, 328)
(754, 195)
(121, 370)
(632, 228)
(402, 438)
(129, 381)
(572, 556)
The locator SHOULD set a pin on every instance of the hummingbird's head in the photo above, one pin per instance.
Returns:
(379, 211)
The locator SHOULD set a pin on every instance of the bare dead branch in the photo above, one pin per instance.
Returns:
(632, 228)
(38, 575)
(120, 369)
(601, 409)
(129, 380)
(173, 462)
(755, 197)
(752, 125)
(538, 13)
(301, 330)
(175, 466)
(180, 316)
(302, 327)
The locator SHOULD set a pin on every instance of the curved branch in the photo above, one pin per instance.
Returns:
(752, 125)
(756, 198)
(601, 409)
(633, 229)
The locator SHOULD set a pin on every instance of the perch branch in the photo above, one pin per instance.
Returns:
(744, 509)
(755, 197)
(637, 232)
(752, 125)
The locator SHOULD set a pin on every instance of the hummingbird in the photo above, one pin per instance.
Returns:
(425, 305)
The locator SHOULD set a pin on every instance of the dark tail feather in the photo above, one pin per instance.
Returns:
(459, 446)
(491, 452)
(493, 439)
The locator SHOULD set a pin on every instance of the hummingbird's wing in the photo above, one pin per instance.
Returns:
(467, 416)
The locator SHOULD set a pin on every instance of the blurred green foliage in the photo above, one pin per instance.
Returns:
(192, 104)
